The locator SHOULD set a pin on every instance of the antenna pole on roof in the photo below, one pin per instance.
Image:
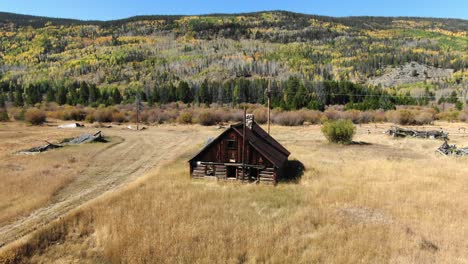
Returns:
(243, 144)
(269, 95)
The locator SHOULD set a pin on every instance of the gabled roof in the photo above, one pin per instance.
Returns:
(260, 140)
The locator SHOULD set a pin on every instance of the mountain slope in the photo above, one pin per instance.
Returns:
(157, 52)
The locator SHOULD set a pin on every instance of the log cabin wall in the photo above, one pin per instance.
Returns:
(222, 151)
(222, 158)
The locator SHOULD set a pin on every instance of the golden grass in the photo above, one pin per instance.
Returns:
(394, 201)
(30, 181)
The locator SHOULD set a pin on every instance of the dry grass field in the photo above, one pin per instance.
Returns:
(388, 201)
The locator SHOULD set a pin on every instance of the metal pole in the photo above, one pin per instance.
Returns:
(243, 145)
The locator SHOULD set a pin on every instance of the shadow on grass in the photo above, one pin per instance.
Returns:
(360, 143)
(293, 171)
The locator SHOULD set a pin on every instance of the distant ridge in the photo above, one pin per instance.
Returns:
(40, 21)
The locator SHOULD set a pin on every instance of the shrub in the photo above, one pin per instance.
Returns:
(333, 114)
(159, 116)
(366, 117)
(185, 117)
(118, 117)
(261, 115)
(288, 119)
(463, 116)
(401, 117)
(340, 131)
(222, 115)
(237, 116)
(18, 114)
(77, 114)
(35, 116)
(207, 118)
(424, 118)
(103, 115)
(448, 116)
(4, 115)
(90, 118)
(311, 116)
(353, 115)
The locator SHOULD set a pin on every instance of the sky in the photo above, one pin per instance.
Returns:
(116, 9)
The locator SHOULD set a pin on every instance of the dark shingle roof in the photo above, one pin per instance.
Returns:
(259, 139)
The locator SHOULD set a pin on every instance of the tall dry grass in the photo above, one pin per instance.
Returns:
(398, 203)
(29, 182)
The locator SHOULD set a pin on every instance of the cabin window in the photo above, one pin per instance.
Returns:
(231, 145)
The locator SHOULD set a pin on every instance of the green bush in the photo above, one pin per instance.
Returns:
(18, 114)
(340, 131)
(4, 116)
(35, 116)
(185, 117)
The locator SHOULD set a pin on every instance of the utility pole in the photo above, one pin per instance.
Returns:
(269, 102)
(138, 109)
(243, 144)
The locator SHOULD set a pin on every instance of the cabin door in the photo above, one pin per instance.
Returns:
(231, 172)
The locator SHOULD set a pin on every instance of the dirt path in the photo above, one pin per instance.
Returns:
(119, 164)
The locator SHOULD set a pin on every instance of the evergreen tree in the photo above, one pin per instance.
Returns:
(94, 94)
(19, 96)
(155, 95)
(2, 100)
(106, 99)
(183, 92)
(72, 96)
(32, 94)
(453, 98)
(50, 94)
(83, 94)
(301, 97)
(236, 95)
(61, 94)
(203, 93)
(116, 96)
(290, 93)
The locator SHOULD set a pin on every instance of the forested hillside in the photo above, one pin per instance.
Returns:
(310, 61)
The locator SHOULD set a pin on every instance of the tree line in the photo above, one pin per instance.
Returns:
(291, 94)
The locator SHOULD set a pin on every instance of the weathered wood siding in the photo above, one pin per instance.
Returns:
(268, 175)
(220, 153)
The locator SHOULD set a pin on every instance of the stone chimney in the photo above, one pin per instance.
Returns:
(249, 120)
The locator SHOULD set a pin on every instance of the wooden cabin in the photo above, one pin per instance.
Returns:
(224, 157)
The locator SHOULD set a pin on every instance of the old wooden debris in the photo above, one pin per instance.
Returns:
(39, 149)
(452, 150)
(406, 132)
(72, 125)
(85, 138)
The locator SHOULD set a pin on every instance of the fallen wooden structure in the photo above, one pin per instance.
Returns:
(407, 132)
(39, 149)
(451, 150)
(85, 138)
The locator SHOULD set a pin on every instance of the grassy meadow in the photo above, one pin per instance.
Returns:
(388, 201)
